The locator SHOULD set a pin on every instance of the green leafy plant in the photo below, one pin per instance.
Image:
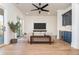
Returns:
(14, 27)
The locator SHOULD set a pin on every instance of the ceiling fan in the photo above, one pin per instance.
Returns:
(40, 8)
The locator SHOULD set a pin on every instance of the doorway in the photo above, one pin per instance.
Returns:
(1, 26)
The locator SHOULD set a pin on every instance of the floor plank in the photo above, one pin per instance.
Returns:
(24, 48)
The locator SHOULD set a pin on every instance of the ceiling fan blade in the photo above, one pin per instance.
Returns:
(35, 5)
(45, 10)
(45, 6)
(34, 9)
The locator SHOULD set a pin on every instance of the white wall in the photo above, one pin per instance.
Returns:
(50, 20)
(59, 21)
(10, 13)
(75, 25)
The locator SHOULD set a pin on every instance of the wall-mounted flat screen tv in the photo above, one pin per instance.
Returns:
(39, 25)
(67, 18)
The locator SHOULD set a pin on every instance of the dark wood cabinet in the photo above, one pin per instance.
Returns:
(37, 37)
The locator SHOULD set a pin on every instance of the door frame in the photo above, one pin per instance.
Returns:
(2, 29)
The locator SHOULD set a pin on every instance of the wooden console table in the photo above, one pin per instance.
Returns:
(46, 36)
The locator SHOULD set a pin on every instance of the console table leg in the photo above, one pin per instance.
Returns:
(49, 40)
(31, 41)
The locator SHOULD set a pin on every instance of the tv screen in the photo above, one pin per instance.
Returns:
(67, 18)
(39, 25)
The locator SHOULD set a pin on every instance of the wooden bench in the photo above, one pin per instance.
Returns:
(46, 37)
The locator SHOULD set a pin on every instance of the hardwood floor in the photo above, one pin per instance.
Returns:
(23, 48)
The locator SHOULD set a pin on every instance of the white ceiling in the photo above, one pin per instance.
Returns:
(53, 7)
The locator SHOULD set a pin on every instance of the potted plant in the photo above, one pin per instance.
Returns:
(14, 28)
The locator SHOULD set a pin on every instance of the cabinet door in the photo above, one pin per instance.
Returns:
(61, 34)
(67, 37)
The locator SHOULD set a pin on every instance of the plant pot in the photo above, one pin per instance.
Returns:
(12, 41)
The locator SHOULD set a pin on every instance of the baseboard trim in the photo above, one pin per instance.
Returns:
(2, 45)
